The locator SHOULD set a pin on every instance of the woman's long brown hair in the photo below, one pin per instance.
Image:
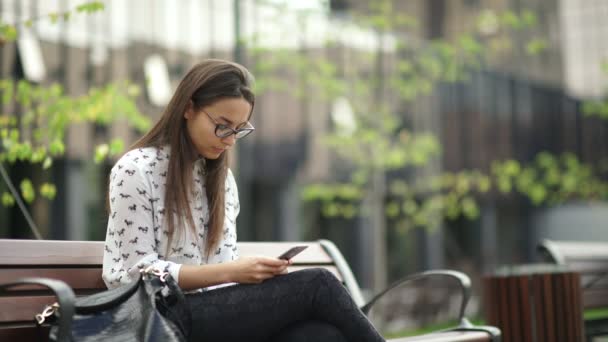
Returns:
(204, 84)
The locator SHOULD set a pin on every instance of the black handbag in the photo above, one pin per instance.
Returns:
(149, 309)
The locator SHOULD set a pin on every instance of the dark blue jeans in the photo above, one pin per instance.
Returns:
(308, 305)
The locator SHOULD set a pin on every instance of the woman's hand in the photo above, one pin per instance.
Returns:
(254, 270)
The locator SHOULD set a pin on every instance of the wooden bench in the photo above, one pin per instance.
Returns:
(590, 259)
(78, 263)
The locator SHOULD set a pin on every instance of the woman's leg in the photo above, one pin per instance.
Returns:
(258, 312)
(309, 331)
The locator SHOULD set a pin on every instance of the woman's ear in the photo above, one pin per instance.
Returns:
(189, 113)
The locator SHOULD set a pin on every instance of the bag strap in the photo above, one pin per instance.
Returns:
(65, 298)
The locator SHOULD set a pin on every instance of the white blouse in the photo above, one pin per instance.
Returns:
(137, 234)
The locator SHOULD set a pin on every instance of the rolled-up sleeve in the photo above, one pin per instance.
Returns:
(131, 244)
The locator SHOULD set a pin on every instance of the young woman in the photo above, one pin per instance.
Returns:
(173, 204)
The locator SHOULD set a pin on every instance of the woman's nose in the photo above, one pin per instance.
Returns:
(230, 140)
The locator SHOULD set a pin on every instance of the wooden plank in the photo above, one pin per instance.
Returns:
(570, 311)
(523, 283)
(559, 307)
(450, 336)
(23, 309)
(514, 308)
(77, 278)
(577, 304)
(24, 333)
(549, 313)
(595, 298)
(41, 334)
(50, 252)
(539, 304)
(314, 254)
(489, 298)
(505, 316)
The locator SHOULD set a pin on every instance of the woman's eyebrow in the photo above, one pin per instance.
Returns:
(228, 121)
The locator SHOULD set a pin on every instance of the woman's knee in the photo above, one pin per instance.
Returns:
(319, 274)
(316, 280)
(313, 274)
(309, 331)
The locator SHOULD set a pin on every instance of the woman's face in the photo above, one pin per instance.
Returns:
(232, 112)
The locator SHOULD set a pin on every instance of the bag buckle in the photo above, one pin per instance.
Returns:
(150, 270)
(48, 311)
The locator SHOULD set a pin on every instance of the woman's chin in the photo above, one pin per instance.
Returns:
(212, 154)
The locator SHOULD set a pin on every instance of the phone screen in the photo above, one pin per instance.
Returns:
(292, 252)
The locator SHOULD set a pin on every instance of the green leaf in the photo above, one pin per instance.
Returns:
(27, 191)
(90, 7)
(48, 162)
(470, 208)
(410, 207)
(101, 152)
(528, 18)
(7, 199)
(117, 146)
(53, 17)
(537, 194)
(504, 185)
(48, 190)
(483, 184)
(56, 148)
(605, 67)
(536, 46)
(510, 19)
(392, 209)
(8, 32)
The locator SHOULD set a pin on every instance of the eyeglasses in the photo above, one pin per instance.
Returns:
(224, 131)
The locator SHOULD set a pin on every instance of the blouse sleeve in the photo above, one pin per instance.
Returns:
(130, 243)
(234, 205)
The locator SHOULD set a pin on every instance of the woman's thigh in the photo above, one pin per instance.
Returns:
(254, 311)
(309, 331)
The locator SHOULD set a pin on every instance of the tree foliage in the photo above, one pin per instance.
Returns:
(383, 143)
(39, 116)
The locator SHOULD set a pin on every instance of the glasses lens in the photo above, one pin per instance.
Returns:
(243, 133)
(223, 131)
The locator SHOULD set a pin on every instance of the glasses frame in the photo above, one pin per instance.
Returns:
(231, 131)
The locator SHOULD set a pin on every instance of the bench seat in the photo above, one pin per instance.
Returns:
(79, 263)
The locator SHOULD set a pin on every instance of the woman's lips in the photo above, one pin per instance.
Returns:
(218, 150)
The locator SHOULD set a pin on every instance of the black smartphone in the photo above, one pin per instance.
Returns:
(292, 252)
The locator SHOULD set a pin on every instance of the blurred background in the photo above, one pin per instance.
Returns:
(415, 134)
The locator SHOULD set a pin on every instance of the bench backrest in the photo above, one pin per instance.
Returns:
(590, 259)
(78, 263)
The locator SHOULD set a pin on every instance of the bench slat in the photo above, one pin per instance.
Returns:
(452, 336)
(23, 308)
(314, 254)
(27, 333)
(90, 278)
(28, 252)
(26, 306)
(595, 298)
(78, 279)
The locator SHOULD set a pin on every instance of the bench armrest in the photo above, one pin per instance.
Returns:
(65, 298)
(463, 280)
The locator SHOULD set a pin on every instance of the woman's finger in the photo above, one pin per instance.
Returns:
(272, 261)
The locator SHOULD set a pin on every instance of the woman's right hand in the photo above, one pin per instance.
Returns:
(254, 270)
